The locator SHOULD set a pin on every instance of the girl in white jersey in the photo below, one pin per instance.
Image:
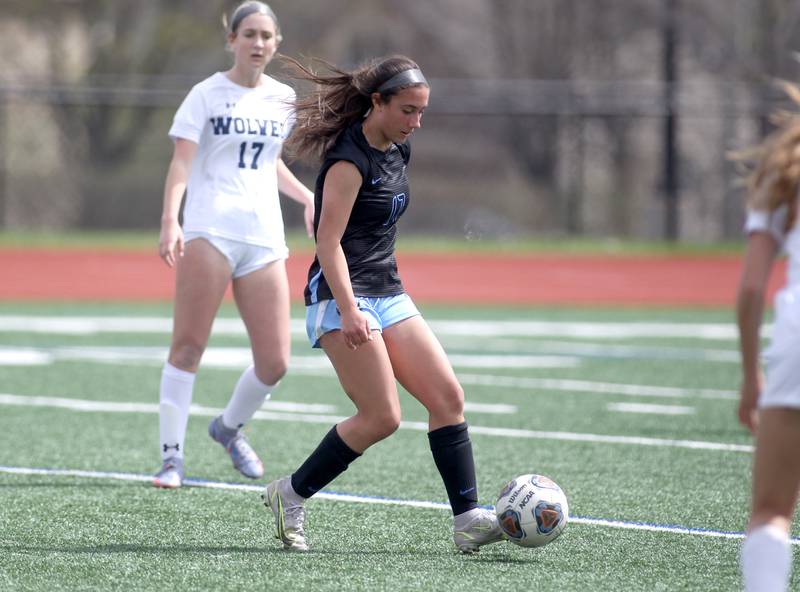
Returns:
(228, 135)
(771, 408)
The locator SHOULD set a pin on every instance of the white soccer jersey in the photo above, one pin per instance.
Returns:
(775, 224)
(232, 189)
(782, 357)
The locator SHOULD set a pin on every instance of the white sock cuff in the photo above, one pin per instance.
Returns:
(770, 531)
(171, 371)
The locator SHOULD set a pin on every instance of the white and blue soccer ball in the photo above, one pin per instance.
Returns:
(532, 510)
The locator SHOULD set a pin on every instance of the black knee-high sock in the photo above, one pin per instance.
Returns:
(327, 462)
(452, 453)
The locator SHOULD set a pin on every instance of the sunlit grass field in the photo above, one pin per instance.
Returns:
(632, 412)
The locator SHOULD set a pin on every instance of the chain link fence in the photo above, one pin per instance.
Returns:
(495, 158)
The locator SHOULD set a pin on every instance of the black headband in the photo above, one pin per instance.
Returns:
(404, 78)
(244, 12)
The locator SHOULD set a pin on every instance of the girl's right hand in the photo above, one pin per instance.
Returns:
(170, 242)
(355, 328)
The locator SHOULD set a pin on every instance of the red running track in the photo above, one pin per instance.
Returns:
(654, 281)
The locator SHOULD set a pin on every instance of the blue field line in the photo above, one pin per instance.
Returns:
(369, 499)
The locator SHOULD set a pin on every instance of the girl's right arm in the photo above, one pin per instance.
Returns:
(170, 242)
(759, 257)
(342, 183)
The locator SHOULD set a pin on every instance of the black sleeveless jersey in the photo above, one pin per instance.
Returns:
(369, 238)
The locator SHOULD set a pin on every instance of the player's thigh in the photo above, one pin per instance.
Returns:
(421, 365)
(262, 298)
(776, 465)
(365, 372)
(201, 278)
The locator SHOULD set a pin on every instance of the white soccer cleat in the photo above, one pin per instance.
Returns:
(482, 529)
(289, 518)
(171, 474)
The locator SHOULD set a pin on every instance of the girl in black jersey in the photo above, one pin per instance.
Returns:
(357, 310)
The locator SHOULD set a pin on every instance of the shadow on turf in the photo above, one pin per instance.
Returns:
(123, 548)
(113, 549)
(495, 555)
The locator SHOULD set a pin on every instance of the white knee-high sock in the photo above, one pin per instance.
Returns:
(175, 396)
(766, 559)
(248, 396)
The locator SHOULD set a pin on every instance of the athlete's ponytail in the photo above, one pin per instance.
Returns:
(339, 99)
(774, 178)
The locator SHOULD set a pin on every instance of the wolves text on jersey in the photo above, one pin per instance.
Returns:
(246, 125)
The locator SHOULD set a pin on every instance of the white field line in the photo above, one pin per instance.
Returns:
(87, 325)
(512, 361)
(114, 407)
(553, 354)
(361, 499)
(241, 357)
(491, 408)
(597, 350)
(594, 387)
(595, 330)
(650, 409)
(264, 413)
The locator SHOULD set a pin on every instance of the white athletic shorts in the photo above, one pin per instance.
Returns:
(243, 258)
(323, 316)
(782, 357)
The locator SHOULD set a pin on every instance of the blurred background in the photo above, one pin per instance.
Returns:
(562, 118)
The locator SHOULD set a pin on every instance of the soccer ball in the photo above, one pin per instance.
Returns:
(532, 510)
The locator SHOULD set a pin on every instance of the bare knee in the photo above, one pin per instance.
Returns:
(379, 426)
(454, 399)
(271, 371)
(387, 425)
(448, 405)
(186, 355)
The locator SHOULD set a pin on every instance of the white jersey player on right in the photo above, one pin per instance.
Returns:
(771, 409)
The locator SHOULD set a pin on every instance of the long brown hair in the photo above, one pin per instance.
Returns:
(339, 99)
(774, 176)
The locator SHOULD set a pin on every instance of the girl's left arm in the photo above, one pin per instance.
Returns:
(293, 188)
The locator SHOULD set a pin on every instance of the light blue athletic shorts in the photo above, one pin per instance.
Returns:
(243, 257)
(381, 313)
